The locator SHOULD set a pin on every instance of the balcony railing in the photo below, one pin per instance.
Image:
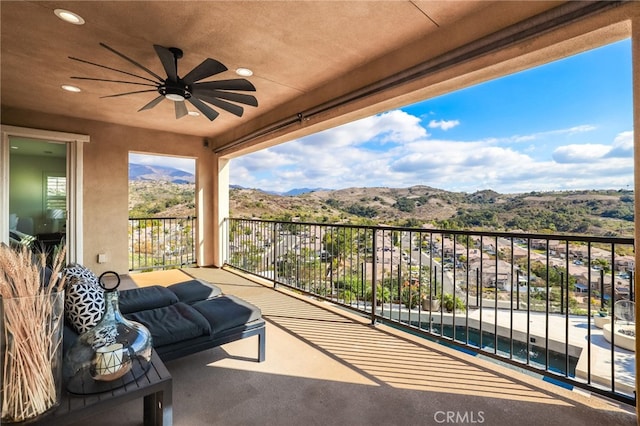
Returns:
(161, 243)
(557, 305)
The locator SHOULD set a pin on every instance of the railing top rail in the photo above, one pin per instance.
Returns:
(503, 234)
(163, 218)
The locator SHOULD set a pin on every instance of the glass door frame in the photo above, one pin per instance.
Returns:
(75, 143)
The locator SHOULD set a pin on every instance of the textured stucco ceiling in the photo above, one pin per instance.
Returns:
(302, 53)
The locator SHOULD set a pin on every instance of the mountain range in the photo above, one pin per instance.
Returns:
(143, 172)
(290, 193)
(160, 190)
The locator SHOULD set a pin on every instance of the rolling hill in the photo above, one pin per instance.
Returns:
(167, 192)
(576, 212)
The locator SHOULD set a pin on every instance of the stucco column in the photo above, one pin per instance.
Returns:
(220, 209)
(205, 203)
(635, 64)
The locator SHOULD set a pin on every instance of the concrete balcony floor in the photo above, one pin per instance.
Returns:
(325, 366)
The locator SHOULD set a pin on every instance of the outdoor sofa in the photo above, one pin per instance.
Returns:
(185, 318)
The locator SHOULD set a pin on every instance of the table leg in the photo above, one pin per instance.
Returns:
(158, 410)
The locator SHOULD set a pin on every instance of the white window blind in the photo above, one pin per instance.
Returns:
(56, 198)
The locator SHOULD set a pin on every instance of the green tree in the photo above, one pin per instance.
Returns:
(405, 204)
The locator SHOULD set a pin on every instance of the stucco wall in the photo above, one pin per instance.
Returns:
(105, 179)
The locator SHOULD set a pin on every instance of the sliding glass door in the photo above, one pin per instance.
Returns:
(41, 189)
(37, 193)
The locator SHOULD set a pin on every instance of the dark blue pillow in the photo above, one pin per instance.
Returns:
(195, 290)
(143, 298)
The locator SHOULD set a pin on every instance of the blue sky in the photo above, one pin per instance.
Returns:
(561, 126)
(564, 125)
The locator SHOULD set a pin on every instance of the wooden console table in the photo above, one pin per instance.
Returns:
(155, 386)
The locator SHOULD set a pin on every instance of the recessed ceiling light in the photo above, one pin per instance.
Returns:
(194, 113)
(69, 17)
(70, 88)
(244, 72)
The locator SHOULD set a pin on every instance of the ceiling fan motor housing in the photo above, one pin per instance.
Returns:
(175, 91)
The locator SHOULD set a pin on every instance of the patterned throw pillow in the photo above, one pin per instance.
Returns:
(84, 298)
(76, 272)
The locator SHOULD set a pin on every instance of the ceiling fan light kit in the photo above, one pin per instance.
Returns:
(203, 95)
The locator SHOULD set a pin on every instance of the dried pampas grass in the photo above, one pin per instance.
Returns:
(32, 315)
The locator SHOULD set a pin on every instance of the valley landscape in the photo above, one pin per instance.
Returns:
(166, 192)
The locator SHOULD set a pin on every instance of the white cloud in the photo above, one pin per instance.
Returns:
(394, 150)
(460, 166)
(266, 159)
(394, 126)
(622, 146)
(443, 124)
(570, 131)
(583, 153)
(335, 158)
(574, 130)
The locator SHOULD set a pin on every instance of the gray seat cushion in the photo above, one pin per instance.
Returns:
(227, 312)
(173, 323)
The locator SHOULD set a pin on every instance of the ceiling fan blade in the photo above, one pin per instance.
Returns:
(236, 97)
(113, 69)
(114, 81)
(207, 68)
(233, 84)
(153, 103)
(209, 112)
(142, 67)
(128, 93)
(227, 106)
(181, 109)
(168, 62)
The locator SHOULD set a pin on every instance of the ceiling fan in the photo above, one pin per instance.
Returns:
(187, 88)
